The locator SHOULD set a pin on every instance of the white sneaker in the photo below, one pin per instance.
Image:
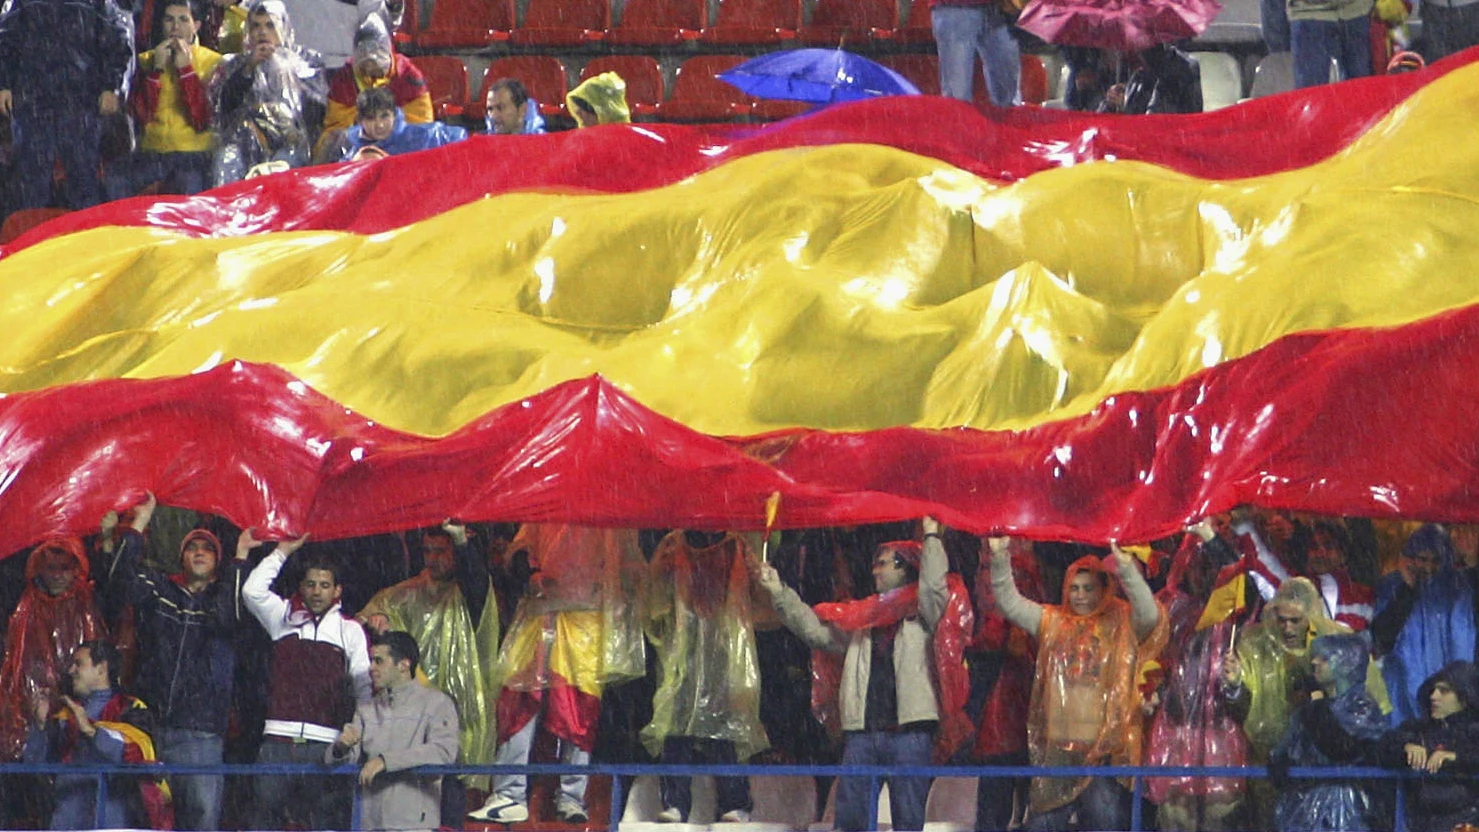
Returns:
(501, 810)
(735, 816)
(670, 815)
(570, 811)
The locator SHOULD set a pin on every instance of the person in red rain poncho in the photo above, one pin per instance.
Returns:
(55, 614)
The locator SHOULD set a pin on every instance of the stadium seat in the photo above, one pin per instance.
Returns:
(921, 70)
(1034, 83)
(1222, 79)
(916, 28)
(754, 23)
(409, 26)
(19, 222)
(542, 75)
(699, 95)
(1273, 75)
(660, 23)
(775, 110)
(643, 77)
(563, 23)
(467, 24)
(446, 77)
(843, 22)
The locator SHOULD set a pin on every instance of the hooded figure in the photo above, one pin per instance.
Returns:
(1338, 729)
(600, 99)
(1085, 707)
(55, 614)
(1423, 627)
(266, 98)
(1444, 740)
(403, 138)
(1193, 726)
(375, 63)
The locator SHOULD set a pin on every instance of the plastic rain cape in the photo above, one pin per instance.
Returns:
(460, 658)
(697, 610)
(574, 621)
(1439, 630)
(1192, 726)
(1278, 677)
(1085, 702)
(42, 633)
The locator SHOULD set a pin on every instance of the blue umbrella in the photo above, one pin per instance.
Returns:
(824, 76)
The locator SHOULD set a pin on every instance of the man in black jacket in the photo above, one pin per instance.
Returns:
(62, 69)
(1446, 741)
(187, 624)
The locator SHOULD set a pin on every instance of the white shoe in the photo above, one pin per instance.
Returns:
(501, 810)
(570, 811)
(670, 815)
(735, 816)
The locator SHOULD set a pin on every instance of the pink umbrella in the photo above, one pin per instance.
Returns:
(1119, 25)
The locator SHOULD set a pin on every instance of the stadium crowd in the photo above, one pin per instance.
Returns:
(1260, 638)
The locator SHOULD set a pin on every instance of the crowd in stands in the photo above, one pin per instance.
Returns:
(1259, 638)
(236, 88)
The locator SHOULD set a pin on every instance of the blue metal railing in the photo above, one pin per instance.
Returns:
(875, 775)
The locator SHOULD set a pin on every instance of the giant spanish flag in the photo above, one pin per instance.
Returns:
(1040, 322)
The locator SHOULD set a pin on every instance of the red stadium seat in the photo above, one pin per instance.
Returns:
(409, 26)
(699, 95)
(772, 110)
(1034, 80)
(543, 76)
(660, 23)
(922, 70)
(563, 23)
(467, 24)
(754, 22)
(916, 28)
(643, 77)
(446, 76)
(844, 22)
(19, 222)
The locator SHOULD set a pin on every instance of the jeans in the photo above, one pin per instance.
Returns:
(316, 802)
(1315, 42)
(731, 793)
(197, 797)
(1449, 29)
(516, 752)
(1104, 805)
(181, 173)
(996, 797)
(907, 795)
(962, 33)
(43, 138)
(1273, 22)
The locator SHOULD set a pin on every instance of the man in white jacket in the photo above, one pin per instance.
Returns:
(320, 668)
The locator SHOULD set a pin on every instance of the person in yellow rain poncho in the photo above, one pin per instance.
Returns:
(573, 633)
(1269, 675)
(600, 99)
(1085, 707)
(697, 610)
(453, 616)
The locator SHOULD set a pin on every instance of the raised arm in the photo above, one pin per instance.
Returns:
(1009, 600)
(1144, 612)
(933, 564)
(269, 608)
(796, 615)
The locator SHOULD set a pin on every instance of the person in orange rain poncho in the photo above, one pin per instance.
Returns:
(573, 633)
(902, 685)
(1085, 706)
(55, 614)
(698, 612)
(1192, 725)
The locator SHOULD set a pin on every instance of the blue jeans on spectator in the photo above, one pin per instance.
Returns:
(41, 137)
(197, 797)
(730, 793)
(906, 795)
(316, 802)
(1103, 805)
(1449, 29)
(1316, 42)
(180, 173)
(962, 33)
(1273, 23)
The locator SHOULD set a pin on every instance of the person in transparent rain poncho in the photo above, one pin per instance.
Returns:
(265, 97)
(698, 608)
(1338, 726)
